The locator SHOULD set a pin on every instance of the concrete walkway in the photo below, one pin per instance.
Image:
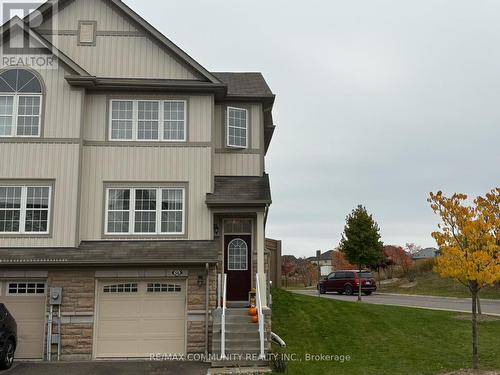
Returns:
(489, 306)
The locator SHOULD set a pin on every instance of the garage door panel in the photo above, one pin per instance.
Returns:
(114, 308)
(173, 346)
(29, 312)
(163, 326)
(171, 308)
(150, 320)
(118, 348)
(118, 328)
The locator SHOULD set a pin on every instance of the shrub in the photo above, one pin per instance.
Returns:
(424, 265)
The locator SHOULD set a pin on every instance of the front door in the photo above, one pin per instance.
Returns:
(237, 266)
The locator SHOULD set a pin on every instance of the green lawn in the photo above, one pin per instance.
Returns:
(379, 339)
(433, 285)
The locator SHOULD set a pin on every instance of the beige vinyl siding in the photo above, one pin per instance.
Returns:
(125, 56)
(62, 105)
(47, 161)
(189, 165)
(199, 117)
(107, 17)
(234, 164)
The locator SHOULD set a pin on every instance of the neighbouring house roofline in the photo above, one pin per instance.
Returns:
(46, 8)
(18, 22)
(102, 253)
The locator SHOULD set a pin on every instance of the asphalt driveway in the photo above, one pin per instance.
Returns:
(489, 306)
(109, 368)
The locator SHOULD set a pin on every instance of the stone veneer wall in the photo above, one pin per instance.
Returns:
(196, 308)
(77, 311)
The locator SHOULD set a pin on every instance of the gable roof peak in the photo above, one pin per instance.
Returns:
(46, 8)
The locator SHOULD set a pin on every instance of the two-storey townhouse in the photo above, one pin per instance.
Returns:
(131, 177)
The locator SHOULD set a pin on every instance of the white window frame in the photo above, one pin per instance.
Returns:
(132, 286)
(228, 126)
(246, 258)
(131, 211)
(135, 120)
(23, 209)
(15, 115)
(8, 293)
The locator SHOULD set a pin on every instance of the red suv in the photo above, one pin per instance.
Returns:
(347, 281)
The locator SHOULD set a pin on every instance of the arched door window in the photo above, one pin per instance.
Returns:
(20, 103)
(237, 255)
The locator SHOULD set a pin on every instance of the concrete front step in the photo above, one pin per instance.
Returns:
(240, 346)
(243, 319)
(237, 327)
(243, 311)
(230, 335)
(253, 351)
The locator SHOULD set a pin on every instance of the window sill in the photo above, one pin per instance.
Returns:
(22, 236)
(139, 237)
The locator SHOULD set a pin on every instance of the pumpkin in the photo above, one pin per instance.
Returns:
(255, 319)
(252, 311)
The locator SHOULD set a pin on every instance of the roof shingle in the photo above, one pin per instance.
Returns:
(244, 190)
(245, 84)
(115, 252)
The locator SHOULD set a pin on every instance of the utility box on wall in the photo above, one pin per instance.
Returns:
(55, 296)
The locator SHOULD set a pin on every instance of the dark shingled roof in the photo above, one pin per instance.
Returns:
(115, 252)
(240, 190)
(245, 84)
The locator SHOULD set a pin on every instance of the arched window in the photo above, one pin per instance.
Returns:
(20, 103)
(237, 255)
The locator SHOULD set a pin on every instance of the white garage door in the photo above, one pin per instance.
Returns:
(137, 318)
(25, 300)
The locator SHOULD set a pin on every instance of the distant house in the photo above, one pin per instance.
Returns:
(325, 262)
(429, 252)
(273, 251)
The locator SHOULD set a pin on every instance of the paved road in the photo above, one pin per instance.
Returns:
(109, 368)
(491, 307)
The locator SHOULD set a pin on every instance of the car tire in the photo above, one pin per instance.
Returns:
(7, 356)
(322, 289)
(348, 290)
(368, 293)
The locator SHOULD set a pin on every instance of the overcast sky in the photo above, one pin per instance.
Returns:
(378, 103)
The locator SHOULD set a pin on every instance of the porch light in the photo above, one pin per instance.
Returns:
(200, 281)
(216, 230)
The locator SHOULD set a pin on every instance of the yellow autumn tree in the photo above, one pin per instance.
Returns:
(469, 240)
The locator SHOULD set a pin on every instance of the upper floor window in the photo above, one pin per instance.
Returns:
(148, 120)
(24, 209)
(145, 211)
(237, 127)
(20, 103)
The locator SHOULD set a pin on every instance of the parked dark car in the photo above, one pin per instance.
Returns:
(347, 282)
(8, 338)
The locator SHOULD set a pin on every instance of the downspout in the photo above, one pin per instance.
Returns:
(206, 308)
(265, 215)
